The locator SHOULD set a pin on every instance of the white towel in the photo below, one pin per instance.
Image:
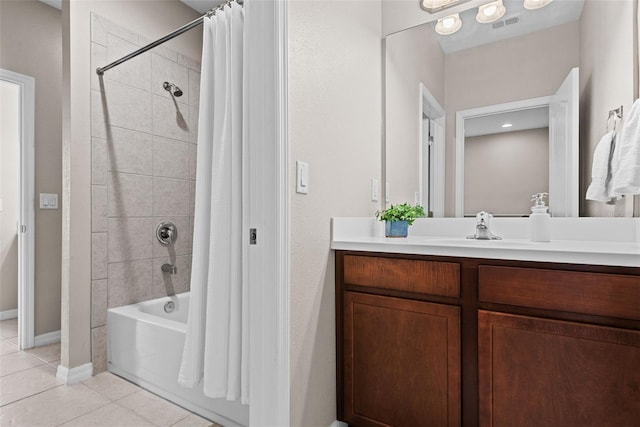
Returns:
(600, 188)
(626, 170)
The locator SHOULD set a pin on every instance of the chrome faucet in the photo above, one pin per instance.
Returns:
(482, 228)
(169, 268)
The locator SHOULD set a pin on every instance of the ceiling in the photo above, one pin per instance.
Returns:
(532, 118)
(528, 21)
(200, 6)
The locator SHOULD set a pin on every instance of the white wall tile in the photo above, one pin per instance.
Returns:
(98, 121)
(98, 59)
(170, 197)
(129, 282)
(99, 161)
(188, 62)
(130, 238)
(170, 158)
(98, 256)
(130, 195)
(98, 303)
(127, 107)
(193, 161)
(193, 124)
(194, 88)
(99, 349)
(134, 72)
(98, 30)
(129, 151)
(170, 119)
(98, 208)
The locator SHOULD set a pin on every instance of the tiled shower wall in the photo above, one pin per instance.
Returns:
(143, 151)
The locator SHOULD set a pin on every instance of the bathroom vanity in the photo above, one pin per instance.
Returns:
(522, 336)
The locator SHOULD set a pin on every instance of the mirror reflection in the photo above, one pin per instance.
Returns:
(574, 53)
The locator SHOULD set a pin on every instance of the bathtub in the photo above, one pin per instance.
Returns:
(145, 347)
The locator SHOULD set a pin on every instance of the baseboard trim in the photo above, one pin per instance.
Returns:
(46, 339)
(9, 314)
(74, 375)
(337, 423)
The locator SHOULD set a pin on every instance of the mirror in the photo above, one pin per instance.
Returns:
(561, 59)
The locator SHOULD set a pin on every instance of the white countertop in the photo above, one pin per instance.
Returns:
(595, 241)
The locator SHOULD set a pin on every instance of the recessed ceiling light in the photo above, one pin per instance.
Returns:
(491, 12)
(535, 4)
(507, 125)
(448, 25)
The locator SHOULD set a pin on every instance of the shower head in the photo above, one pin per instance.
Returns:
(172, 89)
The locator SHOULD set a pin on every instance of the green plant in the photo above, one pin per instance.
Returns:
(403, 212)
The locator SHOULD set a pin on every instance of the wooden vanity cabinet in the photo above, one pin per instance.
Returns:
(443, 341)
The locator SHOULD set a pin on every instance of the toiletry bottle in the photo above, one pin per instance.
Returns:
(540, 219)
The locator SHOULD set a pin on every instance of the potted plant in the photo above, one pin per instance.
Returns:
(398, 218)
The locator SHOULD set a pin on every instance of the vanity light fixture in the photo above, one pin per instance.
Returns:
(535, 4)
(491, 12)
(433, 6)
(449, 24)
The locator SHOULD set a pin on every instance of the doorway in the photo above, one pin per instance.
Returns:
(17, 201)
(432, 148)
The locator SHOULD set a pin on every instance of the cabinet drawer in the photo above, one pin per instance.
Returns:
(425, 277)
(589, 293)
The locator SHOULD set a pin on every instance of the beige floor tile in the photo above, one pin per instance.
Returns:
(111, 415)
(111, 386)
(47, 353)
(195, 421)
(9, 328)
(14, 362)
(7, 347)
(13, 340)
(153, 408)
(26, 383)
(54, 363)
(52, 407)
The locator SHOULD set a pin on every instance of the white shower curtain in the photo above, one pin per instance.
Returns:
(216, 346)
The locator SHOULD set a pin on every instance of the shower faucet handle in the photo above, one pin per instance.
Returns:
(167, 233)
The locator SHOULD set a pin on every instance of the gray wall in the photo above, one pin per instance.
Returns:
(143, 172)
(519, 165)
(31, 44)
(607, 73)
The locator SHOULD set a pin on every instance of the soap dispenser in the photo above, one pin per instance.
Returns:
(540, 219)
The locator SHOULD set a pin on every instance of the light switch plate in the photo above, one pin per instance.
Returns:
(48, 201)
(375, 190)
(302, 177)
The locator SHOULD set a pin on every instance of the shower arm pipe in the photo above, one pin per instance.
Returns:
(186, 27)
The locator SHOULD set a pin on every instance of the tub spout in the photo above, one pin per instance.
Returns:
(169, 268)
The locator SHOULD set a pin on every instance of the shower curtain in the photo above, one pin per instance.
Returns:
(216, 345)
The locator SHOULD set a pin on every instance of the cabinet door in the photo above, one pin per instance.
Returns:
(401, 362)
(541, 372)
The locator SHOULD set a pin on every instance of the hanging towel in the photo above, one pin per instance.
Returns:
(626, 169)
(600, 188)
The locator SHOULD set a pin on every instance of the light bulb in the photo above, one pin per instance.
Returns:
(448, 25)
(491, 12)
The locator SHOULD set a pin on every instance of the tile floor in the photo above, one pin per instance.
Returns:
(31, 396)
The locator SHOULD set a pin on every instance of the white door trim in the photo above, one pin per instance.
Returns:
(26, 252)
(429, 104)
(461, 116)
(266, 139)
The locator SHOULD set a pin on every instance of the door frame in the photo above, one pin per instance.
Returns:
(462, 115)
(430, 106)
(26, 241)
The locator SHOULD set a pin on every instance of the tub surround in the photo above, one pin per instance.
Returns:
(591, 241)
(142, 173)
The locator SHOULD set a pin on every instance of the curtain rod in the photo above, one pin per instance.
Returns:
(186, 27)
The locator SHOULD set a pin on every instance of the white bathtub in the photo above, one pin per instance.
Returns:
(145, 347)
